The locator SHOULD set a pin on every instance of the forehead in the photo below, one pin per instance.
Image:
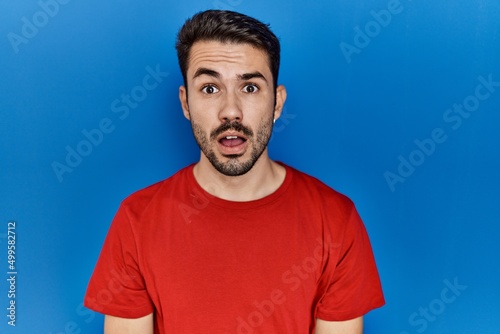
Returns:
(227, 56)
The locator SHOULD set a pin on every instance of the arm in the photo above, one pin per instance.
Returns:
(354, 326)
(115, 325)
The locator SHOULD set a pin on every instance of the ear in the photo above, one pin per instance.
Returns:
(184, 101)
(280, 101)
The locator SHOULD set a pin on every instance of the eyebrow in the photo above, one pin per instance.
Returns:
(253, 75)
(206, 71)
(244, 77)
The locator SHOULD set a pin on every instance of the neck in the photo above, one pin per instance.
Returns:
(263, 179)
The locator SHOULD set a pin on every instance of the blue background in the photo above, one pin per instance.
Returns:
(351, 118)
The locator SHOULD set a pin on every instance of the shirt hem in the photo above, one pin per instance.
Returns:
(347, 315)
(121, 313)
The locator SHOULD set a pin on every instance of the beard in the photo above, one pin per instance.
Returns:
(235, 165)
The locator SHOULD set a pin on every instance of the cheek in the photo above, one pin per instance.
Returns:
(201, 112)
(261, 106)
(202, 103)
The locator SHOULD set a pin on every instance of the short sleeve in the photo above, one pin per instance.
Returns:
(117, 286)
(354, 287)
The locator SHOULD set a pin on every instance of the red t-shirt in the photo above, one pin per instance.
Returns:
(207, 265)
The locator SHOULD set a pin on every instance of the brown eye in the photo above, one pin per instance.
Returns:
(210, 89)
(251, 88)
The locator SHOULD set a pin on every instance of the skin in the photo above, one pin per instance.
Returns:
(354, 326)
(237, 88)
(232, 84)
(115, 325)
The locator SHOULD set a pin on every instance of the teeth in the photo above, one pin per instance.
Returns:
(231, 137)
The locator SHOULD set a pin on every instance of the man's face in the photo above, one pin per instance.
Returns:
(231, 103)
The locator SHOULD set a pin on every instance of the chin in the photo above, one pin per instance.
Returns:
(233, 166)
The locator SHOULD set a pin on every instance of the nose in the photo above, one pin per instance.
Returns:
(230, 109)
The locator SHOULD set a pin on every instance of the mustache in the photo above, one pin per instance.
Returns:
(234, 125)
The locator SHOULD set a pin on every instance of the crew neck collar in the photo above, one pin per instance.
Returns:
(246, 204)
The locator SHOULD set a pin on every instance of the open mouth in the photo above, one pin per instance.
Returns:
(232, 140)
(232, 143)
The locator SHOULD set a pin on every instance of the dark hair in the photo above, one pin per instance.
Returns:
(227, 27)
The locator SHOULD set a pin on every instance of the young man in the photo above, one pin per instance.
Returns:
(236, 243)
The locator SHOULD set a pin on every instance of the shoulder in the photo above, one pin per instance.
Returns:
(310, 187)
(141, 200)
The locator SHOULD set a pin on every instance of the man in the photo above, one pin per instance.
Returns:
(236, 243)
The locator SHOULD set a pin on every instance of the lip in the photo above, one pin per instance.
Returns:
(232, 150)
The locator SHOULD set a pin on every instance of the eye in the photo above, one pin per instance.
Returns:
(251, 88)
(210, 89)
